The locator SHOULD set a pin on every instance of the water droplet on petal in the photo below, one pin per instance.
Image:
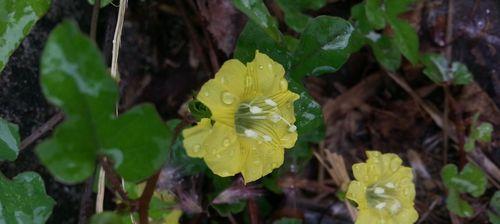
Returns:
(226, 142)
(223, 80)
(196, 148)
(261, 67)
(225, 173)
(227, 98)
(283, 85)
(395, 164)
(206, 94)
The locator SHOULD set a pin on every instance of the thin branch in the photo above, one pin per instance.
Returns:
(101, 184)
(145, 198)
(117, 39)
(42, 130)
(95, 19)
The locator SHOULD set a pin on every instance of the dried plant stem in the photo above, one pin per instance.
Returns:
(99, 204)
(117, 39)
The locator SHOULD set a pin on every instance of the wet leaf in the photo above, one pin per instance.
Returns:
(308, 113)
(396, 7)
(75, 79)
(17, 18)
(470, 180)
(103, 2)
(457, 205)
(293, 10)
(375, 14)
(406, 39)
(9, 140)
(253, 38)
(257, 11)
(436, 67)
(495, 206)
(322, 47)
(386, 53)
(23, 200)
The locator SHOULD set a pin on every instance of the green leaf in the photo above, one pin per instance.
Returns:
(396, 7)
(308, 113)
(23, 200)
(406, 39)
(293, 9)
(103, 2)
(457, 205)
(106, 218)
(228, 209)
(483, 132)
(253, 38)
(9, 140)
(257, 12)
(322, 48)
(359, 16)
(495, 201)
(17, 18)
(74, 78)
(199, 110)
(375, 14)
(471, 180)
(288, 221)
(386, 53)
(436, 67)
(494, 218)
(461, 74)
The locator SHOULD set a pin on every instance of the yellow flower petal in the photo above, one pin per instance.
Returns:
(195, 136)
(383, 189)
(356, 192)
(407, 216)
(221, 102)
(223, 153)
(262, 158)
(232, 76)
(267, 75)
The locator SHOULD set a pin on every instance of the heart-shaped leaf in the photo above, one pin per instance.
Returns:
(23, 200)
(74, 78)
(16, 20)
(9, 140)
(457, 205)
(470, 180)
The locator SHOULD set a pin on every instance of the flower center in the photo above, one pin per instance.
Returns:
(383, 197)
(257, 119)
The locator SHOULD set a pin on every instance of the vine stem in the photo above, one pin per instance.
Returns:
(117, 39)
(115, 75)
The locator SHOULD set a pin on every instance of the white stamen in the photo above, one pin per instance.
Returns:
(255, 109)
(250, 133)
(275, 118)
(292, 128)
(267, 138)
(390, 185)
(380, 205)
(270, 102)
(379, 190)
(395, 207)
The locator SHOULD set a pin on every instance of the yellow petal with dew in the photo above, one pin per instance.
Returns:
(222, 103)
(195, 136)
(406, 216)
(261, 159)
(224, 156)
(232, 76)
(266, 74)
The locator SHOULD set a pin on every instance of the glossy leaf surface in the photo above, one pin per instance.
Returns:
(17, 18)
(9, 140)
(75, 79)
(257, 11)
(322, 47)
(23, 200)
(470, 180)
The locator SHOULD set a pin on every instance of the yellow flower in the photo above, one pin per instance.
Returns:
(383, 190)
(252, 119)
